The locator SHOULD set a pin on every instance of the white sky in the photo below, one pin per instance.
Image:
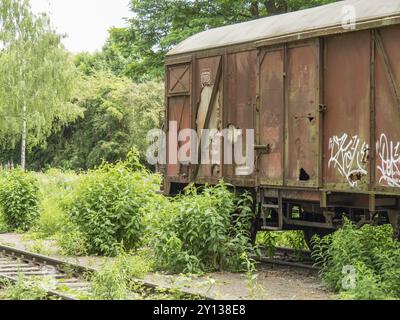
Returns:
(85, 22)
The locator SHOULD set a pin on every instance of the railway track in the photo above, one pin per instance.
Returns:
(290, 258)
(66, 281)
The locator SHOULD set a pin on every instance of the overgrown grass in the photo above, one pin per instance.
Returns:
(55, 186)
(361, 264)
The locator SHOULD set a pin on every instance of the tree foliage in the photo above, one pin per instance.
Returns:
(117, 116)
(36, 76)
(138, 51)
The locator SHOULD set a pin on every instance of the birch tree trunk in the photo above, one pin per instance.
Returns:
(23, 138)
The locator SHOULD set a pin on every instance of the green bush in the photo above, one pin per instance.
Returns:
(19, 199)
(202, 231)
(109, 203)
(370, 252)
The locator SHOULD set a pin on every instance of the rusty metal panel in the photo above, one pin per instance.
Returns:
(208, 97)
(271, 127)
(178, 112)
(240, 99)
(179, 79)
(387, 110)
(347, 114)
(302, 123)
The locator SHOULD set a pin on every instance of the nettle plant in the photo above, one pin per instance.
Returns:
(360, 263)
(202, 231)
(19, 199)
(108, 205)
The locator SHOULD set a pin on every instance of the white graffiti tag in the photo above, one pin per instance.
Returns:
(349, 156)
(388, 162)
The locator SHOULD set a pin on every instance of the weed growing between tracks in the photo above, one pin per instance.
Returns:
(114, 280)
(360, 263)
(24, 289)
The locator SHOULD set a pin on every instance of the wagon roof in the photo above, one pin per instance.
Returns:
(297, 23)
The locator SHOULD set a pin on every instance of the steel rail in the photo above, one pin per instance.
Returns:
(14, 262)
(289, 257)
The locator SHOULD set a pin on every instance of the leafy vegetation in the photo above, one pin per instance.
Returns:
(360, 263)
(19, 199)
(138, 50)
(108, 205)
(55, 186)
(36, 78)
(117, 116)
(269, 241)
(114, 280)
(72, 241)
(23, 289)
(202, 231)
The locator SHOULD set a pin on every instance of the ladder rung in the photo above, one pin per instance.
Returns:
(265, 228)
(270, 206)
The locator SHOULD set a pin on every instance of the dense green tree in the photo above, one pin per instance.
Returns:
(36, 78)
(118, 114)
(139, 50)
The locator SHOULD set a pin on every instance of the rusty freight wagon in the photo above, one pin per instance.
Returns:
(321, 92)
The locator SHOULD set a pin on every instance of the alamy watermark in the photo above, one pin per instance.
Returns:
(349, 17)
(349, 280)
(230, 146)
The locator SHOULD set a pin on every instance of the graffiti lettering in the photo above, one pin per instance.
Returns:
(349, 156)
(388, 162)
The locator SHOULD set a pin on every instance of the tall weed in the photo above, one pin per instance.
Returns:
(202, 231)
(360, 263)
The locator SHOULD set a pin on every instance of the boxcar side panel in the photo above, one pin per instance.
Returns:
(347, 115)
(270, 164)
(387, 106)
(240, 101)
(179, 118)
(208, 99)
(301, 116)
